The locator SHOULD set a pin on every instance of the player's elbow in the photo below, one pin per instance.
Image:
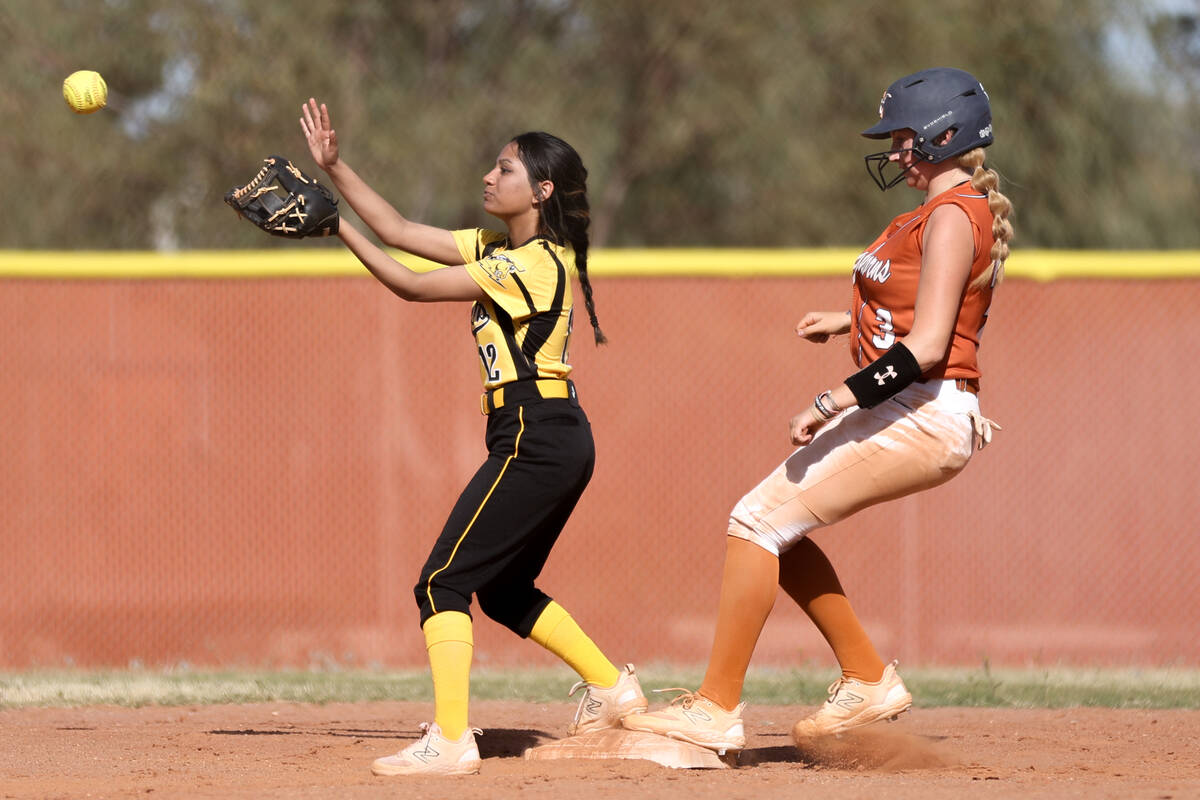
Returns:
(420, 288)
(927, 352)
(419, 295)
(394, 277)
(395, 233)
(391, 238)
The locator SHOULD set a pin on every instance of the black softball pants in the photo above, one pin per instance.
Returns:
(500, 532)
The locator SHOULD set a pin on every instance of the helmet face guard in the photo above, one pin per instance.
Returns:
(877, 165)
(930, 103)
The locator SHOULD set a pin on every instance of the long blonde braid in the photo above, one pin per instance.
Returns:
(988, 181)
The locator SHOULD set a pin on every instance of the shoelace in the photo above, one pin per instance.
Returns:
(834, 688)
(426, 729)
(687, 698)
(582, 701)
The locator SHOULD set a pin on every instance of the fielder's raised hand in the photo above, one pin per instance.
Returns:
(319, 133)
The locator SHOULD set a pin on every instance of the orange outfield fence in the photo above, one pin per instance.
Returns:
(250, 472)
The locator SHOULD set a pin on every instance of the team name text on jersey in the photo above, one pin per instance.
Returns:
(872, 268)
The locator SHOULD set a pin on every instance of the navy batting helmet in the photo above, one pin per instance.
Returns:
(931, 102)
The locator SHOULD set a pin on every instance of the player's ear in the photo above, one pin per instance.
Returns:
(542, 191)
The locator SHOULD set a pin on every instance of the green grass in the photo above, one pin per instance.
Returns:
(980, 687)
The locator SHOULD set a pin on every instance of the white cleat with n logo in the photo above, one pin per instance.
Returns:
(603, 707)
(693, 718)
(849, 700)
(433, 754)
(853, 703)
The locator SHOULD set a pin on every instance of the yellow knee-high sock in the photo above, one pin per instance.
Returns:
(556, 631)
(450, 645)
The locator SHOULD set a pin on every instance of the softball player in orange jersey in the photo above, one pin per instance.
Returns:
(540, 452)
(907, 421)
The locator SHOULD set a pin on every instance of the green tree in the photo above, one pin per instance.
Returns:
(732, 124)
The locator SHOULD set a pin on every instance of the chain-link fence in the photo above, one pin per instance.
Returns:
(251, 473)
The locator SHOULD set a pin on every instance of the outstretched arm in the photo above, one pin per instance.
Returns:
(393, 229)
(450, 283)
(818, 326)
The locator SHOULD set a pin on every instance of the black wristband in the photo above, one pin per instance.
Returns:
(887, 376)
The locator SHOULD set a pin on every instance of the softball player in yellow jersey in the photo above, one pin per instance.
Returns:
(540, 451)
(907, 421)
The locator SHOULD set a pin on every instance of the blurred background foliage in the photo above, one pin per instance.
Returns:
(702, 123)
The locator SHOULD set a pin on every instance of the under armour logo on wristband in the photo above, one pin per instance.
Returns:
(884, 377)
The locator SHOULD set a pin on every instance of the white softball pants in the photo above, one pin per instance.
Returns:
(918, 439)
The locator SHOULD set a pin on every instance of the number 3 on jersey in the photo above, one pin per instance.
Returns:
(488, 354)
(885, 338)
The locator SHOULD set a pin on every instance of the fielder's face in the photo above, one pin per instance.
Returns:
(506, 190)
(902, 153)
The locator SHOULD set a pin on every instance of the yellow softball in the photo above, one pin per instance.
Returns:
(85, 91)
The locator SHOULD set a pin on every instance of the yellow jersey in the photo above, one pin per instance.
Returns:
(523, 328)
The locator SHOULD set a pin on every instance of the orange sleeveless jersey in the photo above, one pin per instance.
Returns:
(885, 287)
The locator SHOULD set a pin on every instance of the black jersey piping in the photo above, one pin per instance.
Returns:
(541, 327)
(524, 368)
(490, 248)
(525, 293)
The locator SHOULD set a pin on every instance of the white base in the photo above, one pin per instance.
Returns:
(620, 743)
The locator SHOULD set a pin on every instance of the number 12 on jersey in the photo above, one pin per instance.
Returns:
(488, 354)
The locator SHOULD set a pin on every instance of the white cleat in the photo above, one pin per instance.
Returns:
(433, 754)
(853, 704)
(694, 719)
(602, 708)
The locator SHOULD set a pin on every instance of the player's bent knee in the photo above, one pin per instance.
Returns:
(776, 531)
(494, 606)
(743, 525)
(766, 541)
(513, 608)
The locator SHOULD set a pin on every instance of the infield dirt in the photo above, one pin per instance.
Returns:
(289, 750)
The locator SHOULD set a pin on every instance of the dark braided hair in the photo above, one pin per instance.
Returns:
(565, 214)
